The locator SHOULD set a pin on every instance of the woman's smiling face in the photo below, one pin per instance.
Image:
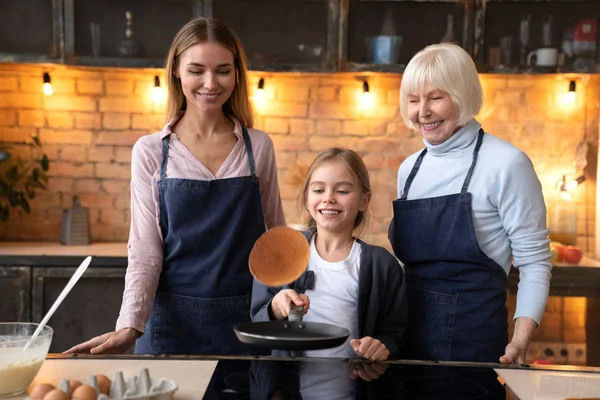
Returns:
(433, 114)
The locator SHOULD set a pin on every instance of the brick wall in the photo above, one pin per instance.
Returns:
(96, 114)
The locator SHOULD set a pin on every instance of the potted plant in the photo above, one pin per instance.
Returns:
(20, 178)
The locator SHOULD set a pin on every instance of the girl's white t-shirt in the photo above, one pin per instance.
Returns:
(334, 299)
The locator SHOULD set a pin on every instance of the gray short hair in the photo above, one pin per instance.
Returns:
(446, 67)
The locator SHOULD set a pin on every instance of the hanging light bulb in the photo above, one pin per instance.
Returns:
(260, 91)
(367, 97)
(571, 96)
(568, 98)
(157, 91)
(48, 91)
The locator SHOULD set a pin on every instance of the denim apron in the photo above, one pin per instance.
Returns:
(456, 294)
(208, 229)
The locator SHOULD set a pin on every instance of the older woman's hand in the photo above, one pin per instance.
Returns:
(516, 350)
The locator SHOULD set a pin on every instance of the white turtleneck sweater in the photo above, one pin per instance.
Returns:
(509, 213)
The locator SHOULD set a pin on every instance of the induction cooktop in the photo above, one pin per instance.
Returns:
(337, 379)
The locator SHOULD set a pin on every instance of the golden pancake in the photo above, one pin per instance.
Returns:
(279, 256)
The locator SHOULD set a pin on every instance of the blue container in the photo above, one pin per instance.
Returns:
(383, 49)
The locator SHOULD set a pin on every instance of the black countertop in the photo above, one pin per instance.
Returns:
(265, 377)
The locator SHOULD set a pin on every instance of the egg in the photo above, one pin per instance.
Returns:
(84, 392)
(39, 391)
(73, 384)
(103, 383)
(56, 395)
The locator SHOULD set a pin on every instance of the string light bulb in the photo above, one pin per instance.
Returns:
(572, 92)
(48, 90)
(367, 96)
(260, 91)
(569, 98)
(157, 91)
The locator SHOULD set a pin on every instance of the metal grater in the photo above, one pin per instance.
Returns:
(75, 228)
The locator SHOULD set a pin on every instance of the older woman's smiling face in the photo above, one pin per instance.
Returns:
(433, 113)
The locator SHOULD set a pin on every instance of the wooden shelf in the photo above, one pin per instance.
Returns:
(339, 26)
(117, 62)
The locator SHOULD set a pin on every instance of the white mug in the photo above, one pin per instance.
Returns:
(545, 57)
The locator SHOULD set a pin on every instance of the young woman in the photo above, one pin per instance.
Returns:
(202, 191)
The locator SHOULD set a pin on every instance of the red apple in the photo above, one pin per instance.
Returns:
(560, 251)
(572, 254)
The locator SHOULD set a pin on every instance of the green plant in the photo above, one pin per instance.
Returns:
(20, 178)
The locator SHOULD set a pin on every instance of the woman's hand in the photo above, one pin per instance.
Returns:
(367, 371)
(369, 348)
(110, 343)
(280, 305)
(516, 350)
(514, 353)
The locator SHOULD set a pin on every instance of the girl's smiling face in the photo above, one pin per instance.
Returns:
(334, 197)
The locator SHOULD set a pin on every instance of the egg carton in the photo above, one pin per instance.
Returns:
(140, 387)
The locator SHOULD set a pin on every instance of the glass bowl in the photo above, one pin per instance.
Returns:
(18, 366)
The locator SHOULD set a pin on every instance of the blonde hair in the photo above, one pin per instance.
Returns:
(356, 167)
(201, 30)
(446, 67)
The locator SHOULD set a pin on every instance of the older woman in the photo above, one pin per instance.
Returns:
(470, 205)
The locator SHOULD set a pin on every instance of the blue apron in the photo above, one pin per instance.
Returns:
(456, 294)
(208, 229)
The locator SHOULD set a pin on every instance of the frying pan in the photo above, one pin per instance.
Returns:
(279, 257)
(292, 334)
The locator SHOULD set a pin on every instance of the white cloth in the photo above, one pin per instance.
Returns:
(334, 299)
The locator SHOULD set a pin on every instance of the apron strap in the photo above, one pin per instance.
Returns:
(165, 157)
(417, 165)
(465, 185)
(412, 174)
(249, 151)
(165, 154)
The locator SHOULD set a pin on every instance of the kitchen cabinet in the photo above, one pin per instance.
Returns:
(15, 289)
(33, 274)
(31, 31)
(90, 309)
(96, 30)
(414, 24)
(285, 35)
(545, 24)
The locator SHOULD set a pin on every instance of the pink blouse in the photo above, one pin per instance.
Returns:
(145, 247)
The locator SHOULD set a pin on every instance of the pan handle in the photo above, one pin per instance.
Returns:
(295, 313)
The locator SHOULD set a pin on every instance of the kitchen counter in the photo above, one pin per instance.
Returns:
(262, 377)
(48, 254)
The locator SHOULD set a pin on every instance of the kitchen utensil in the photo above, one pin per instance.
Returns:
(80, 270)
(524, 40)
(279, 256)
(19, 366)
(545, 57)
(293, 334)
(75, 228)
(506, 49)
(383, 49)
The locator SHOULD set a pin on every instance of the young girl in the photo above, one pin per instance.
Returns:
(356, 285)
(198, 188)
